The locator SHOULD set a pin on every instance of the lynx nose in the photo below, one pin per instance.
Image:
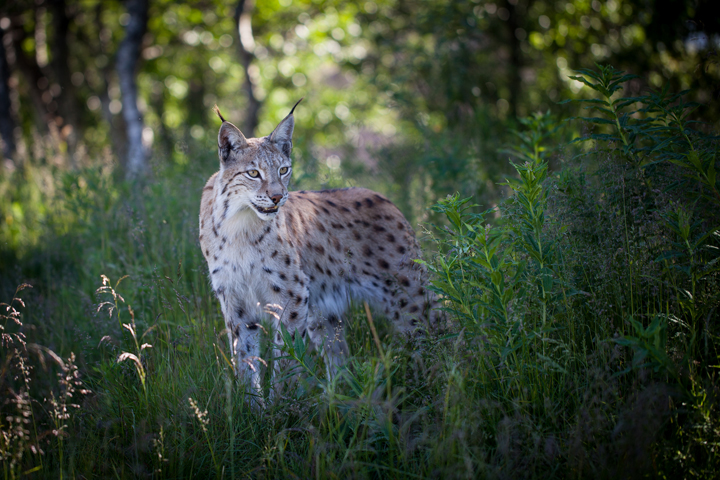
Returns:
(276, 198)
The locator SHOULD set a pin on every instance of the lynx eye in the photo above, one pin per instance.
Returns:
(283, 170)
(253, 173)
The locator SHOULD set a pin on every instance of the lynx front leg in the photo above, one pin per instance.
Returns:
(290, 312)
(328, 335)
(243, 327)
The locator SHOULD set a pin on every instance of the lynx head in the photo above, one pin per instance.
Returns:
(255, 172)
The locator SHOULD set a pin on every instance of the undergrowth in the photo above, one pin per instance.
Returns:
(582, 340)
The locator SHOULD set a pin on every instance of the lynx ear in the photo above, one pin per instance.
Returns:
(230, 139)
(282, 135)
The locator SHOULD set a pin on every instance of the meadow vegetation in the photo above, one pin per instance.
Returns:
(576, 257)
(583, 340)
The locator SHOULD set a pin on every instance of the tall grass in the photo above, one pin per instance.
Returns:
(582, 341)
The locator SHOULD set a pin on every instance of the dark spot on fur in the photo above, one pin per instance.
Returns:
(403, 303)
(320, 249)
(331, 203)
(404, 281)
(216, 270)
(266, 270)
(396, 316)
(240, 312)
(318, 267)
(421, 291)
(400, 226)
(287, 260)
(252, 326)
(390, 238)
(283, 277)
(323, 286)
(293, 315)
(369, 202)
(274, 254)
(275, 288)
(383, 264)
(401, 250)
(358, 205)
(378, 228)
(357, 235)
(388, 282)
(414, 309)
(367, 251)
(327, 212)
(337, 225)
(333, 320)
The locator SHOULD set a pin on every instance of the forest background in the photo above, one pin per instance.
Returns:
(108, 135)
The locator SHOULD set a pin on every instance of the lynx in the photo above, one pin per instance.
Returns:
(299, 258)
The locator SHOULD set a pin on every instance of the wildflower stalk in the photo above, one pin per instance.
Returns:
(204, 421)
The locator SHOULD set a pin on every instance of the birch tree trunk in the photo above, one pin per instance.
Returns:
(127, 59)
(246, 47)
(7, 125)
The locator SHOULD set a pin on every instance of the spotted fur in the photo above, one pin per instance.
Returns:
(300, 258)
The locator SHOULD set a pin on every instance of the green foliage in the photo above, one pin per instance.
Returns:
(582, 309)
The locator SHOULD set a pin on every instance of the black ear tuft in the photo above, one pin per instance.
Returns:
(296, 104)
(217, 110)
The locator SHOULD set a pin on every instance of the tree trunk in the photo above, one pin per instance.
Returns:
(516, 61)
(67, 108)
(127, 59)
(32, 73)
(246, 47)
(7, 125)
